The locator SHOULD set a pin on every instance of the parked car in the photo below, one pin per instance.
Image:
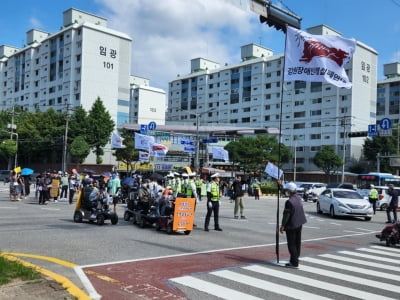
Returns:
(311, 190)
(344, 202)
(5, 175)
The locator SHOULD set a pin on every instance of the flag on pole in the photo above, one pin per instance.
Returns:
(273, 171)
(117, 141)
(143, 141)
(219, 153)
(157, 150)
(317, 58)
(144, 156)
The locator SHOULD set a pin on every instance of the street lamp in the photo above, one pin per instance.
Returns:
(198, 115)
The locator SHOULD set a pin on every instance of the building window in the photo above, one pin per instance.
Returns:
(315, 136)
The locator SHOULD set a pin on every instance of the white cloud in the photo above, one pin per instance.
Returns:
(35, 23)
(168, 34)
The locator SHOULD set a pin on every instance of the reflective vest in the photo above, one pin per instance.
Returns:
(189, 192)
(215, 191)
(373, 194)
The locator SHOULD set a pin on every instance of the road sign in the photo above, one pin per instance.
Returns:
(191, 143)
(213, 140)
(189, 149)
(372, 130)
(152, 125)
(387, 132)
(143, 129)
(385, 124)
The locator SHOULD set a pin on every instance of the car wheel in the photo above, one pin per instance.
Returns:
(100, 219)
(77, 217)
(319, 211)
(127, 216)
(114, 219)
(169, 228)
(367, 218)
(332, 211)
(187, 232)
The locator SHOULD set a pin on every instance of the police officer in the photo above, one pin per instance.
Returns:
(373, 197)
(292, 223)
(213, 203)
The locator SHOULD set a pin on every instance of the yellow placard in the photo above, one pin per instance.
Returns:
(17, 170)
(183, 214)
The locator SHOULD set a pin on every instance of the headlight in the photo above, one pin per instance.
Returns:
(340, 204)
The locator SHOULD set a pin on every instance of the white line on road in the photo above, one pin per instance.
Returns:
(213, 289)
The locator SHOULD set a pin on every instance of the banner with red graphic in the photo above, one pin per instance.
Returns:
(317, 58)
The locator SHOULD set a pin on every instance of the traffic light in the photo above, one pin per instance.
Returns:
(279, 18)
(358, 134)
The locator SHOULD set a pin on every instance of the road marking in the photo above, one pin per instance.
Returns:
(65, 282)
(213, 289)
(387, 248)
(362, 262)
(350, 268)
(364, 229)
(373, 257)
(315, 283)
(52, 209)
(267, 286)
(337, 224)
(375, 251)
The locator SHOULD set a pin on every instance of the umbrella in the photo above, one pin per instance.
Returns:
(106, 174)
(26, 171)
(156, 176)
(88, 171)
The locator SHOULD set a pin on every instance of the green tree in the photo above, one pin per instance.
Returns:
(99, 128)
(327, 159)
(128, 154)
(253, 153)
(8, 148)
(79, 149)
(385, 145)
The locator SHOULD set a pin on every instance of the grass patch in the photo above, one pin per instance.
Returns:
(10, 270)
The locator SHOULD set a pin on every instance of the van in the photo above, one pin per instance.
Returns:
(5, 175)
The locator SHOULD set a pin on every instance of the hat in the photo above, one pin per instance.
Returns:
(290, 186)
(185, 175)
(192, 174)
(371, 186)
(215, 175)
(177, 174)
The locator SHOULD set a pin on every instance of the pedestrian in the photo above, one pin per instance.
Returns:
(213, 203)
(392, 207)
(64, 186)
(292, 222)
(20, 187)
(256, 189)
(13, 186)
(373, 197)
(114, 184)
(237, 190)
(72, 186)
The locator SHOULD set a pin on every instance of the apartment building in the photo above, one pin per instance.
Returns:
(252, 93)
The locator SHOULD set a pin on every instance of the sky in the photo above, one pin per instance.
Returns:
(167, 34)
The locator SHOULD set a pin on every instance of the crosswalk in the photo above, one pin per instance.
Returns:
(365, 273)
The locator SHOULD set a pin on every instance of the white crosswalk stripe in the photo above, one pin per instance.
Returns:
(365, 273)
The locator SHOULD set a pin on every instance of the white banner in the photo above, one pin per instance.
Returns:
(273, 171)
(143, 141)
(317, 58)
(158, 150)
(219, 153)
(117, 141)
(144, 156)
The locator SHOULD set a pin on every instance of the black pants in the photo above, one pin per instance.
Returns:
(71, 195)
(394, 210)
(373, 202)
(212, 207)
(293, 237)
(64, 191)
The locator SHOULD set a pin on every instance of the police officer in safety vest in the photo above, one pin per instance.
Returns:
(213, 203)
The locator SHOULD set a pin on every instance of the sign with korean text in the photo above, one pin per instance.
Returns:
(183, 214)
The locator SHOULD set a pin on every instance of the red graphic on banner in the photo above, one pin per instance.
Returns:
(317, 49)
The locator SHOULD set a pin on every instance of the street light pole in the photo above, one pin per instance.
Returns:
(196, 160)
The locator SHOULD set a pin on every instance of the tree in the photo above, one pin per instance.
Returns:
(385, 145)
(79, 149)
(128, 154)
(327, 159)
(99, 128)
(253, 153)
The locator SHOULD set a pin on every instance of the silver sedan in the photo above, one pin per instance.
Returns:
(344, 202)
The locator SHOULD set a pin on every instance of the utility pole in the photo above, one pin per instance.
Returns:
(65, 145)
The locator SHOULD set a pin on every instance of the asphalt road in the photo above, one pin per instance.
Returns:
(47, 233)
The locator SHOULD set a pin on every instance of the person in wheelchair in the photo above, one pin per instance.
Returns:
(144, 195)
(99, 197)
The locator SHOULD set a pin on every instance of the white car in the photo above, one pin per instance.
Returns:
(344, 202)
(384, 197)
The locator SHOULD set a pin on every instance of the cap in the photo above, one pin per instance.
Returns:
(185, 175)
(192, 174)
(215, 175)
(177, 174)
(290, 186)
(371, 186)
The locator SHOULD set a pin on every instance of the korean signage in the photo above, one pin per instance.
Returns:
(110, 55)
(183, 214)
